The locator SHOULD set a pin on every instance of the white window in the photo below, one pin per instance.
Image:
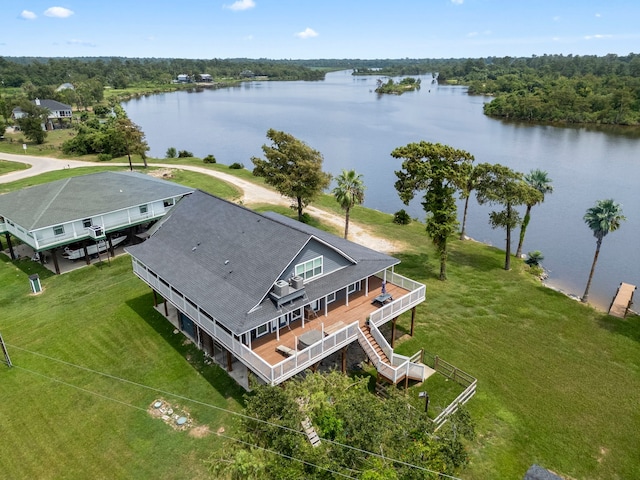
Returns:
(310, 269)
(352, 288)
(58, 230)
(262, 329)
(86, 223)
(168, 203)
(331, 297)
(143, 209)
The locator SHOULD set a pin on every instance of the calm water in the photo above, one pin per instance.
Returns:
(354, 128)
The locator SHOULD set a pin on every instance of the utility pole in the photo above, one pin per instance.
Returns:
(4, 350)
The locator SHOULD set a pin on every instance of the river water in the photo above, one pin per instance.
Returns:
(354, 128)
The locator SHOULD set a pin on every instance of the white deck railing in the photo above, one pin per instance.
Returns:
(416, 295)
(302, 359)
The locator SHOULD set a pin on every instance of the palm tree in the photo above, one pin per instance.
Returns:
(602, 218)
(538, 179)
(348, 192)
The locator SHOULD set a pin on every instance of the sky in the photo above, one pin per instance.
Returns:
(310, 29)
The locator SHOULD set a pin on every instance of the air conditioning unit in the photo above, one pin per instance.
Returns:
(297, 282)
(96, 232)
(281, 288)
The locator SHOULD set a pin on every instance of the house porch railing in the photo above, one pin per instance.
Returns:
(302, 359)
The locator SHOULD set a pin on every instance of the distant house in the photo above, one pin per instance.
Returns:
(65, 86)
(205, 77)
(53, 215)
(183, 78)
(273, 293)
(57, 111)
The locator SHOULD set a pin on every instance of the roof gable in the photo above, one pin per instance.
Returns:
(226, 258)
(84, 196)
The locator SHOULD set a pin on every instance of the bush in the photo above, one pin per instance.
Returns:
(184, 154)
(101, 110)
(534, 259)
(401, 217)
(209, 159)
(171, 153)
(236, 166)
(104, 157)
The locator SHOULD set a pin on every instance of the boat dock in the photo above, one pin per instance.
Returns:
(622, 301)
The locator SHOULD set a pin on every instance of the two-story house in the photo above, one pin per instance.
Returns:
(84, 208)
(57, 111)
(274, 293)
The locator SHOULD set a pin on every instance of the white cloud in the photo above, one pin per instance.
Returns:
(472, 34)
(307, 33)
(457, 2)
(58, 12)
(597, 37)
(556, 18)
(248, 38)
(28, 15)
(82, 43)
(598, 15)
(241, 5)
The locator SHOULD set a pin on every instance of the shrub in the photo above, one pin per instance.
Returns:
(401, 217)
(171, 153)
(236, 166)
(101, 110)
(534, 259)
(184, 154)
(209, 159)
(84, 116)
(104, 157)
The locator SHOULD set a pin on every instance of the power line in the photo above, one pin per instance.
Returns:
(231, 412)
(105, 397)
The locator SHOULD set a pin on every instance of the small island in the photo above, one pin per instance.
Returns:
(407, 84)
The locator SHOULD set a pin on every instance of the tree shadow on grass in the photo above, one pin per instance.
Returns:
(477, 260)
(214, 374)
(421, 266)
(629, 327)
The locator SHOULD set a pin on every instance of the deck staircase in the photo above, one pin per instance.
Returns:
(390, 370)
(312, 435)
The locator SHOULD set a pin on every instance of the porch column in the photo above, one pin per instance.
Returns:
(111, 249)
(366, 287)
(413, 318)
(11, 252)
(86, 253)
(393, 331)
(326, 307)
(55, 261)
(229, 361)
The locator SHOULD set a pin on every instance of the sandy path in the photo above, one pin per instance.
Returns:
(252, 194)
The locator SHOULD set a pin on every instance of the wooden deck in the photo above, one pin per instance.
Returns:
(622, 301)
(359, 308)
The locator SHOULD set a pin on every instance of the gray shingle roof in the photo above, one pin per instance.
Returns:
(84, 196)
(226, 258)
(536, 472)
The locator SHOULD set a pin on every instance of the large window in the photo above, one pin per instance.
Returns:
(144, 209)
(58, 230)
(310, 269)
(86, 223)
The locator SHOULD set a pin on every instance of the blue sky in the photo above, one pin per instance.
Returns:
(318, 28)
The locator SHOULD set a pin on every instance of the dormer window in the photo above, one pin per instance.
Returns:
(309, 269)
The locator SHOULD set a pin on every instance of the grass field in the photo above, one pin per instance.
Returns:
(558, 382)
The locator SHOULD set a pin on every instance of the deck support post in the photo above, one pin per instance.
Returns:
(406, 383)
(112, 250)
(314, 367)
(55, 261)
(393, 331)
(11, 252)
(86, 253)
(229, 361)
(166, 308)
(155, 298)
(413, 319)
(344, 359)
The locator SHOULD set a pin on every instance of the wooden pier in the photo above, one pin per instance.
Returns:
(622, 301)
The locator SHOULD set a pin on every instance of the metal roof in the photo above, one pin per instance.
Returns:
(226, 258)
(84, 196)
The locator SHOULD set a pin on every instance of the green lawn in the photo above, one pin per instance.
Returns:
(8, 167)
(558, 382)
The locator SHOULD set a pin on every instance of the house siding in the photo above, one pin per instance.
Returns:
(331, 260)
